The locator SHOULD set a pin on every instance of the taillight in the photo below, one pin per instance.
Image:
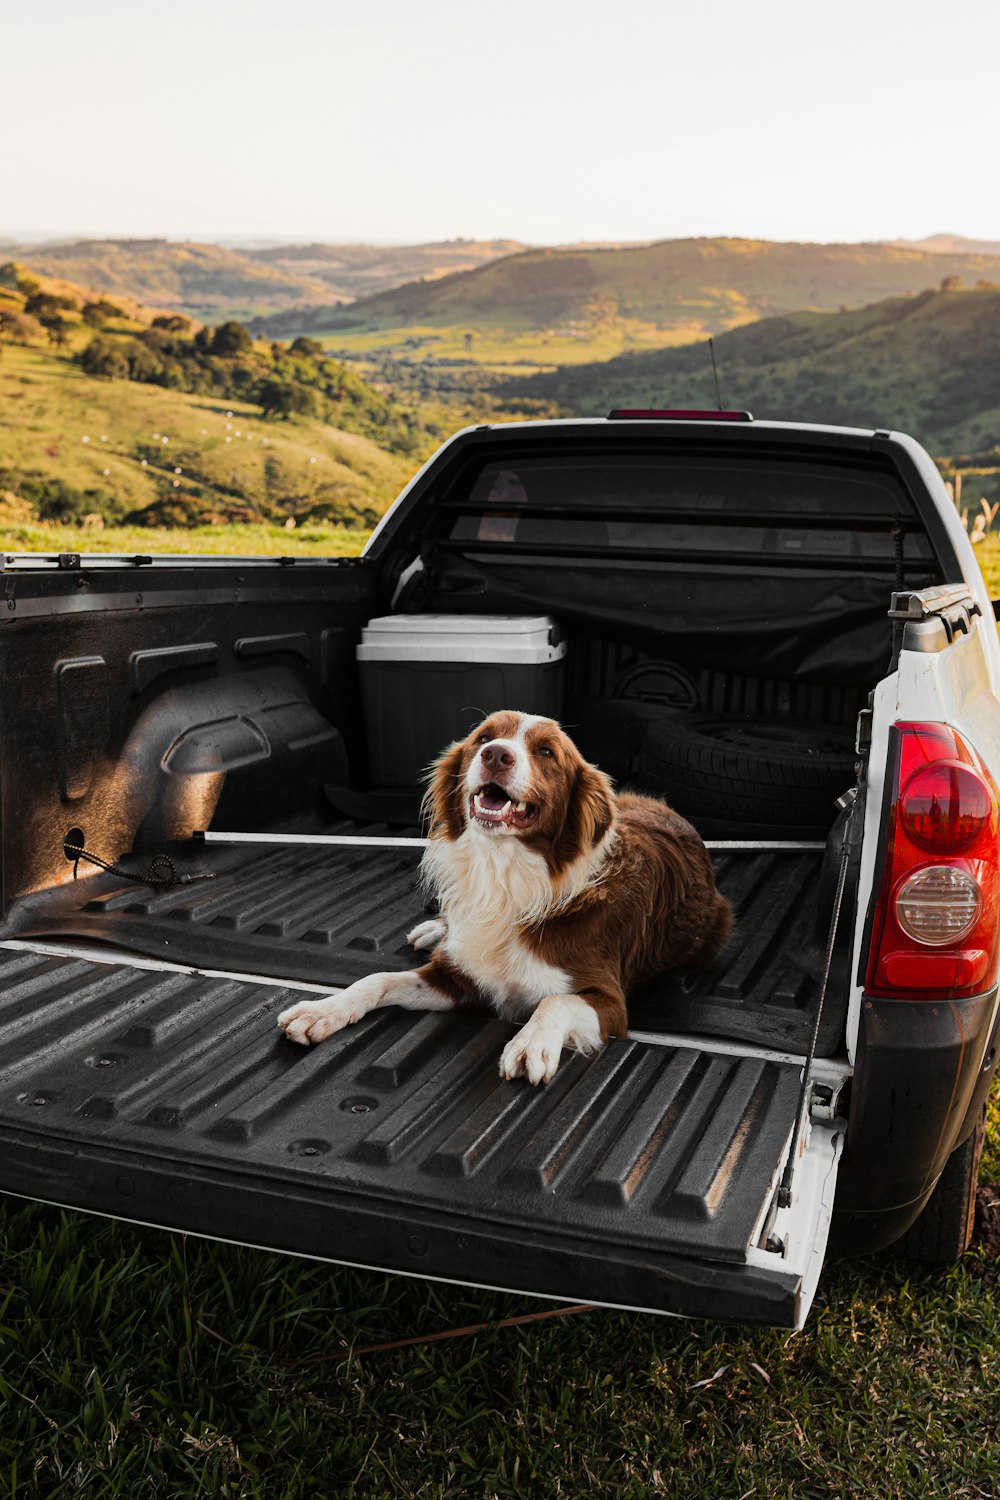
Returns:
(945, 806)
(936, 927)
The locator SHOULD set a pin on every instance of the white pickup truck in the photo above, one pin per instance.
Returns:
(781, 628)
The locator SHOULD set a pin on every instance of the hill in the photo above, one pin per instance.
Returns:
(207, 282)
(212, 282)
(927, 364)
(672, 291)
(951, 244)
(353, 271)
(133, 444)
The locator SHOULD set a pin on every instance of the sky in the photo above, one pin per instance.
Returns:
(546, 123)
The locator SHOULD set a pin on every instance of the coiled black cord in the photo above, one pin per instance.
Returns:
(151, 876)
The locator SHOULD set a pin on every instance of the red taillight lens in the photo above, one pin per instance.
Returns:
(944, 807)
(935, 931)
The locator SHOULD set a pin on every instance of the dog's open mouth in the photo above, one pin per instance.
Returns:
(491, 807)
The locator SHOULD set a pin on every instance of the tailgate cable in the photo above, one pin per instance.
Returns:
(784, 1197)
(152, 875)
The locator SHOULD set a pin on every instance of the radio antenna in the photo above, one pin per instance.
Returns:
(715, 373)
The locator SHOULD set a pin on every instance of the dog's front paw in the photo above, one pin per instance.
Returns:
(314, 1020)
(427, 934)
(533, 1053)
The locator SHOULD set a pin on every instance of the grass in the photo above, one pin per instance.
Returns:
(233, 540)
(988, 554)
(513, 350)
(128, 441)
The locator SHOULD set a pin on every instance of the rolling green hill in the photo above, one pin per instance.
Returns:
(213, 282)
(184, 441)
(207, 282)
(72, 446)
(669, 292)
(928, 364)
(353, 271)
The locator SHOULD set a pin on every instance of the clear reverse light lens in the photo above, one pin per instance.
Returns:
(939, 905)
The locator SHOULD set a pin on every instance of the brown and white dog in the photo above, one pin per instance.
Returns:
(556, 898)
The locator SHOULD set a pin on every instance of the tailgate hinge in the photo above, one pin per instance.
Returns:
(825, 1098)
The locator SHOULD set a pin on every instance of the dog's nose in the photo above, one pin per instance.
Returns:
(497, 757)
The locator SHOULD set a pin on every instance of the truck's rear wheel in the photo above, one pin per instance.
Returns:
(943, 1231)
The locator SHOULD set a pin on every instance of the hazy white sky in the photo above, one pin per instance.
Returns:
(781, 119)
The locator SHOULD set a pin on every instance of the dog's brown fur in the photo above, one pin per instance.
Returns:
(556, 902)
(654, 904)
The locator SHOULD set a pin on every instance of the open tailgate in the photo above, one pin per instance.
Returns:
(642, 1177)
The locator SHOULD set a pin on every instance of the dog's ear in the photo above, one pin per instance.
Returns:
(590, 812)
(597, 803)
(443, 803)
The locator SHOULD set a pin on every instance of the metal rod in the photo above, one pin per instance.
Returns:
(769, 846)
(357, 840)
(374, 841)
(784, 1196)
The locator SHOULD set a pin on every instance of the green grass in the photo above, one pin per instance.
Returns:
(233, 540)
(988, 554)
(92, 434)
(512, 350)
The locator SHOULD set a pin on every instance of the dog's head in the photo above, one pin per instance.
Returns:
(520, 776)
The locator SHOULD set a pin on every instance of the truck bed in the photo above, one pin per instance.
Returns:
(329, 915)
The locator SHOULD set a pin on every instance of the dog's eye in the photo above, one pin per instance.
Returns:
(546, 750)
(483, 739)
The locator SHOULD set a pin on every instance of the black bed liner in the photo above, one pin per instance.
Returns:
(172, 1099)
(330, 915)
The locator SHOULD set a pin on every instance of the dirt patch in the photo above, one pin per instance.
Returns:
(985, 1247)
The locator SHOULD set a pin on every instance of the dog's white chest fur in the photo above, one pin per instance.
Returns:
(487, 885)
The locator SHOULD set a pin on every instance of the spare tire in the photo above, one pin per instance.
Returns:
(740, 771)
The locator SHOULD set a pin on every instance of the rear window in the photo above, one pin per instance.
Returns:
(671, 506)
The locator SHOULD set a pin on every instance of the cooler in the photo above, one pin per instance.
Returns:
(427, 680)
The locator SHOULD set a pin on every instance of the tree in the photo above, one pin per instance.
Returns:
(96, 313)
(174, 323)
(144, 363)
(231, 340)
(310, 348)
(19, 328)
(104, 360)
(55, 326)
(40, 304)
(285, 398)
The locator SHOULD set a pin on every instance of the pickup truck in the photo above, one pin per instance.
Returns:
(780, 628)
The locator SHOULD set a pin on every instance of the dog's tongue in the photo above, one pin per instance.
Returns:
(493, 799)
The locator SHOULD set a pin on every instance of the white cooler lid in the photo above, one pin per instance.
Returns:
(511, 639)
